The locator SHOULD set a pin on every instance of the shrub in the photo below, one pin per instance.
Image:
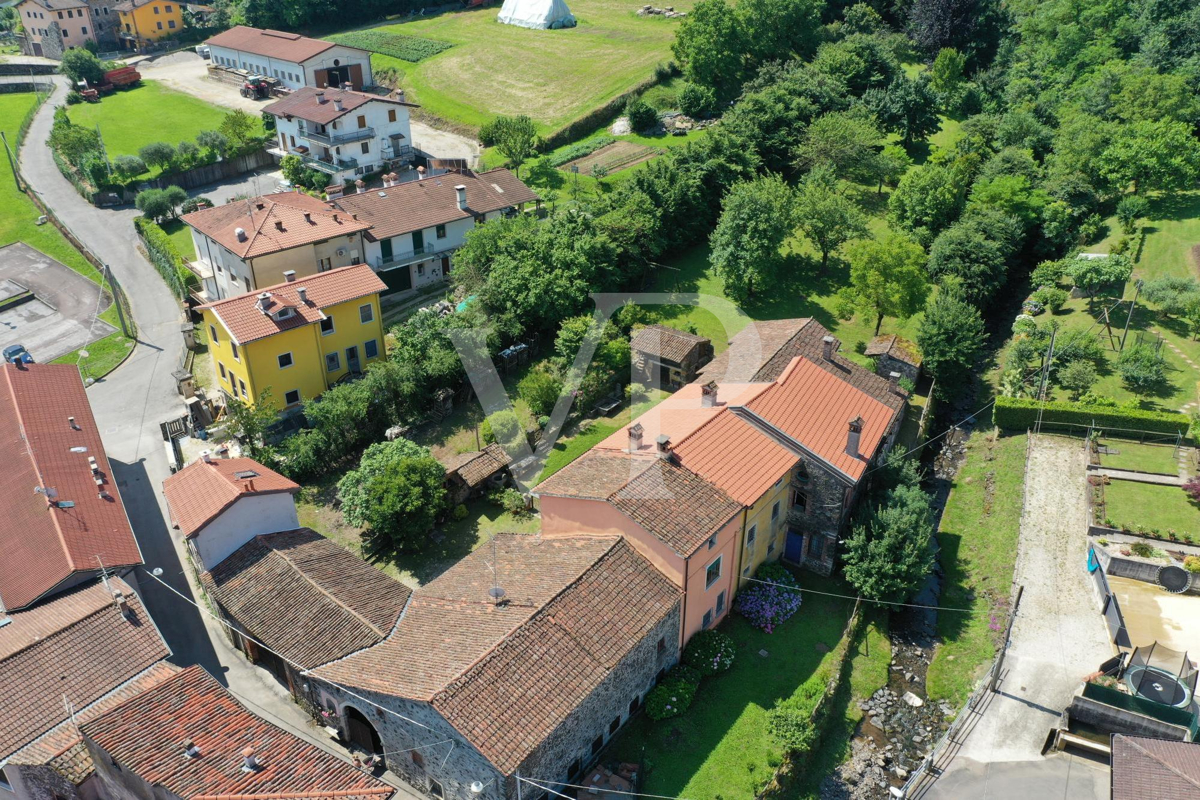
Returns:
(1192, 564)
(765, 605)
(82, 65)
(1141, 549)
(157, 154)
(792, 726)
(1019, 413)
(1047, 273)
(1191, 488)
(540, 389)
(1141, 368)
(710, 652)
(153, 203)
(1078, 376)
(1052, 298)
(460, 512)
(674, 694)
(165, 257)
(1130, 210)
(641, 116)
(514, 502)
(127, 167)
(74, 98)
(696, 101)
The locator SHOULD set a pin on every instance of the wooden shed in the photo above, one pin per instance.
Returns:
(893, 353)
(470, 473)
(668, 356)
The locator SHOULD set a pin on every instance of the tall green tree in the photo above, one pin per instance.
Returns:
(1153, 154)
(826, 216)
(887, 278)
(848, 142)
(951, 336)
(906, 107)
(516, 139)
(711, 47)
(756, 217)
(888, 557)
(927, 200)
(82, 65)
(977, 261)
(947, 76)
(780, 29)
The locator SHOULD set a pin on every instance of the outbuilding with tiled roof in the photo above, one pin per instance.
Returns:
(469, 473)
(667, 357)
(294, 60)
(1144, 767)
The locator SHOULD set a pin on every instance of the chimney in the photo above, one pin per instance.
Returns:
(264, 302)
(827, 348)
(308, 216)
(289, 275)
(241, 234)
(420, 173)
(360, 186)
(278, 224)
(337, 105)
(260, 205)
(206, 456)
(249, 762)
(72, 423)
(894, 382)
(189, 749)
(400, 95)
(302, 293)
(321, 98)
(708, 395)
(461, 191)
(663, 442)
(852, 437)
(335, 217)
(635, 437)
(122, 603)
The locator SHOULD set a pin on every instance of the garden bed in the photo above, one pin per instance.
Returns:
(1151, 509)
(613, 157)
(1159, 459)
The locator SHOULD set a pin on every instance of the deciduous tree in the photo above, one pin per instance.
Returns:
(826, 216)
(888, 557)
(756, 217)
(950, 336)
(887, 278)
(516, 139)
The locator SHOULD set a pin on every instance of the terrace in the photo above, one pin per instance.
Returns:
(325, 137)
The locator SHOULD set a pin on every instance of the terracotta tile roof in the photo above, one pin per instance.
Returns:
(680, 415)
(1145, 768)
(54, 5)
(62, 748)
(595, 475)
(78, 645)
(666, 343)
(272, 223)
(305, 597)
(734, 455)
(321, 105)
(676, 505)
(143, 736)
(199, 492)
(476, 466)
(246, 323)
(44, 546)
(417, 205)
(813, 407)
(895, 346)
(781, 340)
(503, 706)
(130, 5)
(452, 622)
(270, 43)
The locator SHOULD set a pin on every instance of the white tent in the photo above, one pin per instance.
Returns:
(537, 14)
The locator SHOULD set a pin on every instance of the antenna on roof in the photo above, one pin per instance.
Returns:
(496, 593)
(104, 574)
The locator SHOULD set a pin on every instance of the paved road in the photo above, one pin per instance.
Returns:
(128, 405)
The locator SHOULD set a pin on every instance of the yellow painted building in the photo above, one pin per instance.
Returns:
(298, 338)
(764, 526)
(145, 21)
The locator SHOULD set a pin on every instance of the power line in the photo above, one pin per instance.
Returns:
(303, 670)
(867, 599)
(928, 442)
(537, 782)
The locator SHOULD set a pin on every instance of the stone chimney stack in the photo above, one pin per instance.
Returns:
(852, 437)
(708, 395)
(894, 382)
(636, 432)
(827, 348)
(663, 443)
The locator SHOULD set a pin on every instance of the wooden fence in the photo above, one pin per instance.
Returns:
(213, 173)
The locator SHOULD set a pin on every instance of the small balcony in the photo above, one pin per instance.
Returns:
(400, 259)
(333, 139)
(797, 516)
(331, 165)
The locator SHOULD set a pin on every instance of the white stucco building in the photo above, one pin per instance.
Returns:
(343, 133)
(219, 504)
(296, 60)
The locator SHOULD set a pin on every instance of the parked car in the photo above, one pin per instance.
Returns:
(17, 354)
(202, 51)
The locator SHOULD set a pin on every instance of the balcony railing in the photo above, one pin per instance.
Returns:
(422, 254)
(331, 139)
(330, 166)
(403, 152)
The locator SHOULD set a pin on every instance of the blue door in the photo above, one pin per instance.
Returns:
(793, 551)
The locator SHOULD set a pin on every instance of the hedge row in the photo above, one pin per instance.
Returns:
(1021, 413)
(27, 120)
(165, 256)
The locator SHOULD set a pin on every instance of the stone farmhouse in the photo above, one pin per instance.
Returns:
(668, 358)
(53, 27)
(297, 61)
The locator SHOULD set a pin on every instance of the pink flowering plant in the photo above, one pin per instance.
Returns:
(673, 694)
(709, 652)
(766, 605)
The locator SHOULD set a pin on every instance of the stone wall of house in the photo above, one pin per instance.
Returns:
(885, 365)
(105, 23)
(39, 782)
(454, 763)
(52, 42)
(590, 722)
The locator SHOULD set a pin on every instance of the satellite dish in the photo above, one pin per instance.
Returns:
(496, 593)
(476, 787)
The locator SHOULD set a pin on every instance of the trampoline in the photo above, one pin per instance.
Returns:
(1161, 675)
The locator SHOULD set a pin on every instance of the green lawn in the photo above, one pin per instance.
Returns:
(1148, 506)
(978, 538)
(151, 112)
(181, 235)
(554, 77)
(721, 747)
(567, 449)
(18, 223)
(449, 544)
(1159, 458)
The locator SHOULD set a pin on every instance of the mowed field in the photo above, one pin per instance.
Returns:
(554, 77)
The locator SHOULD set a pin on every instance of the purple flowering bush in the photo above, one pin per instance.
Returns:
(766, 606)
(673, 694)
(709, 652)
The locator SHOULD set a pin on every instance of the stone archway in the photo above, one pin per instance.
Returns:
(361, 733)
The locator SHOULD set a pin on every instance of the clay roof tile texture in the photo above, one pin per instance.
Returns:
(271, 43)
(668, 344)
(143, 736)
(39, 447)
(201, 491)
(272, 223)
(1143, 768)
(246, 323)
(321, 105)
(305, 597)
(77, 645)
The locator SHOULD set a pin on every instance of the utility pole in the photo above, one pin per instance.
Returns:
(1045, 380)
(1012, 616)
(1137, 287)
(116, 295)
(12, 164)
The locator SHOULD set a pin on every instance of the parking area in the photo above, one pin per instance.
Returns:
(46, 306)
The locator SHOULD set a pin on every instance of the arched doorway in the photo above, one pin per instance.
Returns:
(361, 732)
